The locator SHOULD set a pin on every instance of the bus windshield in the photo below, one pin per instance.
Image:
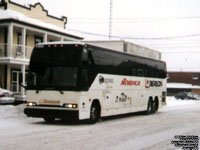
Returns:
(54, 67)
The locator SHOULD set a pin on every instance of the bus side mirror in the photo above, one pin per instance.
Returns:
(24, 86)
(85, 57)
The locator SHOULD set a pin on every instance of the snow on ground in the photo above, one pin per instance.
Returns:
(172, 101)
(138, 132)
(10, 111)
(13, 112)
(11, 115)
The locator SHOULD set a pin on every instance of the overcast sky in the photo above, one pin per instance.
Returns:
(169, 26)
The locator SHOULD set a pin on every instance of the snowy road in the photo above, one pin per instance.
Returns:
(132, 132)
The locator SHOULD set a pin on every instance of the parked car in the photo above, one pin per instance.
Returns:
(187, 95)
(6, 96)
(194, 96)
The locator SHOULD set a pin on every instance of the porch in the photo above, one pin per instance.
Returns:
(16, 45)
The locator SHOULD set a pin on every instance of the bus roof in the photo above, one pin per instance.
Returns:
(120, 46)
(63, 43)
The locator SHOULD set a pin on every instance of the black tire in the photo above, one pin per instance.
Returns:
(49, 119)
(149, 107)
(155, 106)
(94, 114)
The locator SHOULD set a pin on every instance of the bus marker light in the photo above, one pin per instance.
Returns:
(30, 104)
(74, 106)
(90, 100)
(70, 105)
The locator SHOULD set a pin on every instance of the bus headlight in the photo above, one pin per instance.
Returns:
(31, 104)
(70, 105)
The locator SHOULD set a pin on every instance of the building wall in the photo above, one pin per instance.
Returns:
(37, 12)
(1, 35)
(1, 41)
(6, 69)
(29, 43)
(1, 53)
(184, 77)
(1, 75)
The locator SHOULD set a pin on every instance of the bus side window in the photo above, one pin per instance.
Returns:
(140, 72)
(85, 57)
(134, 73)
(84, 77)
(90, 58)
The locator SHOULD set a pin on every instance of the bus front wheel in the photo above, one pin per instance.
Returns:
(94, 114)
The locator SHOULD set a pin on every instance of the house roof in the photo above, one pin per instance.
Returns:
(182, 86)
(11, 15)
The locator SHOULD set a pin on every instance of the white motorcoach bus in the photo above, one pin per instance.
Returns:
(78, 80)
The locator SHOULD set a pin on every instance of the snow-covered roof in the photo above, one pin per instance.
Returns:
(14, 15)
(182, 86)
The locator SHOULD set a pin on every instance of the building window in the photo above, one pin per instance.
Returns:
(16, 80)
(38, 40)
(19, 39)
(19, 51)
(195, 77)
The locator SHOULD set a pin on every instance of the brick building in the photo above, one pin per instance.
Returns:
(183, 81)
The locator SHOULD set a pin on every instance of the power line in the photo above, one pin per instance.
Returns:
(137, 38)
(140, 19)
(115, 20)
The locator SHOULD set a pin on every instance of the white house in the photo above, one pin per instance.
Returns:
(21, 28)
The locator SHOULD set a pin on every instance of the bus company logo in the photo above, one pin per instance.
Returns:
(149, 83)
(101, 79)
(130, 82)
(105, 80)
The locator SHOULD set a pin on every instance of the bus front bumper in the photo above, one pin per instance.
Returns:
(42, 113)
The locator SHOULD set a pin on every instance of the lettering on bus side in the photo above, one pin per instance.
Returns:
(130, 82)
(149, 83)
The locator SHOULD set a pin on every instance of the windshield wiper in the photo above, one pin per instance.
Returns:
(61, 92)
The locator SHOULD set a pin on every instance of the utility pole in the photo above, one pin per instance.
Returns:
(110, 19)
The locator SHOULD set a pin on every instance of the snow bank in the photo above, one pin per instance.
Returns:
(11, 116)
(182, 86)
(10, 111)
(172, 101)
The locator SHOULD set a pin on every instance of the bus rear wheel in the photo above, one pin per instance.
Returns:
(149, 107)
(155, 105)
